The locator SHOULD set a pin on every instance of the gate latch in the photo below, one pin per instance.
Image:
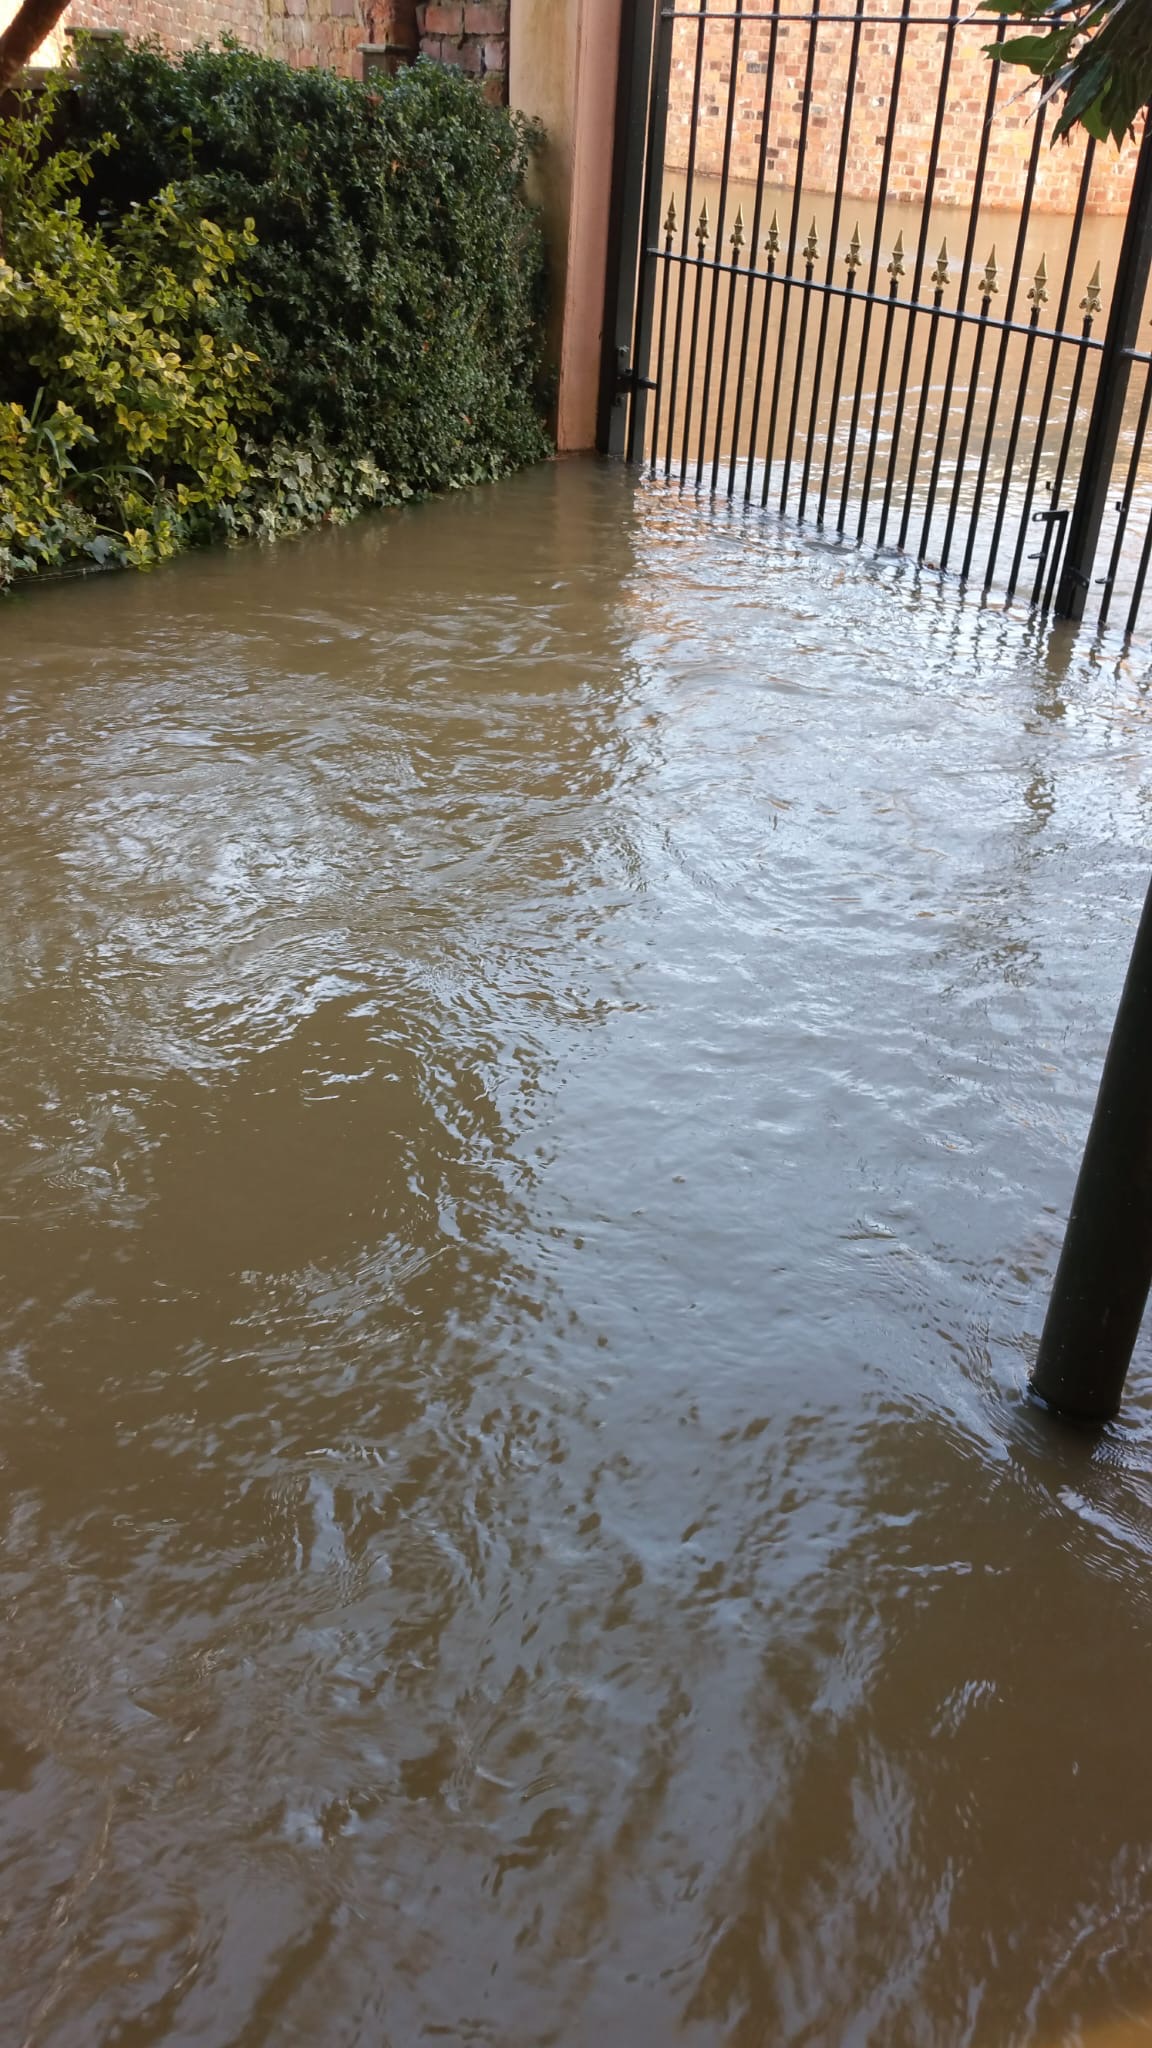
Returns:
(1050, 516)
(628, 380)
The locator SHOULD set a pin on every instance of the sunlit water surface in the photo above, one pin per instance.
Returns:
(546, 1040)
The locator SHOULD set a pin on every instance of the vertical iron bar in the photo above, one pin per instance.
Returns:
(726, 345)
(1055, 524)
(1124, 506)
(681, 282)
(866, 322)
(837, 387)
(918, 276)
(1053, 360)
(1058, 478)
(961, 297)
(794, 407)
(1138, 586)
(754, 247)
(1014, 433)
(1105, 1267)
(1111, 390)
(702, 231)
(721, 224)
(940, 274)
(787, 282)
(896, 271)
(1005, 339)
(966, 426)
(833, 247)
(669, 231)
(771, 245)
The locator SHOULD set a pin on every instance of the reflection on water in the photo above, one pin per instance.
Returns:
(546, 1042)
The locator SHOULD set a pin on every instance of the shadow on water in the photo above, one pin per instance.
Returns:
(546, 1044)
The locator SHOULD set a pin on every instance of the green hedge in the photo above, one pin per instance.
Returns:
(236, 297)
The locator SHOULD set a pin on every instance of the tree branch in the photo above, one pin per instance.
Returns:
(24, 34)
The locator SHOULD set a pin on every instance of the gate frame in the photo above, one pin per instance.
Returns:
(1070, 552)
(641, 117)
(1112, 380)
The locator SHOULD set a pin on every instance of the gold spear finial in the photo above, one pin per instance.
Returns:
(1039, 291)
(702, 225)
(670, 217)
(852, 259)
(988, 284)
(896, 267)
(738, 229)
(772, 239)
(812, 245)
(940, 274)
(1090, 303)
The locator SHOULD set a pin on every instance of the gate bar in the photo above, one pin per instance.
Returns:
(1070, 260)
(1105, 1268)
(1111, 390)
(685, 232)
(1002, 351)
(833, 255)
(753, 248)
(1126, 501)
(786, 282)
(917, 278)
(874, 263)
(721, 244)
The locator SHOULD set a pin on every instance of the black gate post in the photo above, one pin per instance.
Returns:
(1111, 390)
(641, 117)
(1105, 1268)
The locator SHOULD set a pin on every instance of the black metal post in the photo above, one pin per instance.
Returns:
(1105, 1268)
(626, 224)
(1111, 391)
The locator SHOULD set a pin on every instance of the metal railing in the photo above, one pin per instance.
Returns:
(872, 382)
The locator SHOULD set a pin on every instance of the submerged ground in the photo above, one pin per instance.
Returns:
(546, 1040)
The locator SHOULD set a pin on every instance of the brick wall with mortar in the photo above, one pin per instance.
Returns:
(471, 35)
(1011, 130)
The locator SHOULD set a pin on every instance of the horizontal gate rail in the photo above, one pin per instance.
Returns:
(919, 20)
(821, 288)
(944, 410)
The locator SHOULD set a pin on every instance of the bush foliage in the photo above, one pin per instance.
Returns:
(121, 406)
(235, 298)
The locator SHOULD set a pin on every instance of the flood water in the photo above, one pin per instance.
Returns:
(546, 1041)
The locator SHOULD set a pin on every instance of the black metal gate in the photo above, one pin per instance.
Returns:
(899, 384)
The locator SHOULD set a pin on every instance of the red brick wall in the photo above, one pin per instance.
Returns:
(469, 34)
(1011, 131)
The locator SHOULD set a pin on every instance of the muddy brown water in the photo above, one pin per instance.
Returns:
(545, 1045)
